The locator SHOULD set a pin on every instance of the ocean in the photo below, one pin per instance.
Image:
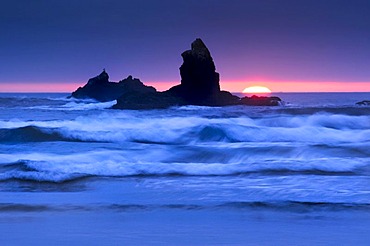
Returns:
(74, 172)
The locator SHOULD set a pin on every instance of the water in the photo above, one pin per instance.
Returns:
(185, 175)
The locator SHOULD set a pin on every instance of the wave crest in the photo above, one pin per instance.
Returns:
(31, 134)
(135, 127)
(52, 168)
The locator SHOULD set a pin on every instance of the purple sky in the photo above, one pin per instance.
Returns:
(278, 40)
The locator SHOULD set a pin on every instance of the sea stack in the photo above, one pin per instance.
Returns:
(200, 83)
(199, 80)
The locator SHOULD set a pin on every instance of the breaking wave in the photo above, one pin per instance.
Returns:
(43, 167)
(326, 129)
(184, 141)
(31, 134)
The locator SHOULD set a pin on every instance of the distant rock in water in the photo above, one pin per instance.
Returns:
(100, 89)
(260, 101)
(364, 103)
(200, 85)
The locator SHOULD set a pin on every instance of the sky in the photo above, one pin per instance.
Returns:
(287, 45)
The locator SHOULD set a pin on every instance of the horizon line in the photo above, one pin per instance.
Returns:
(233, 92)
(232, 86)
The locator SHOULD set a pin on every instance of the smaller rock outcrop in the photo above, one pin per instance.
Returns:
(364, 103)
(156, 100)
(260, 101)
(100, 89)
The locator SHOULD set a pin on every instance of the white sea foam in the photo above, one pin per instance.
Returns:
(74, 105)
(88, 106)
(126, 126)
(56, 168)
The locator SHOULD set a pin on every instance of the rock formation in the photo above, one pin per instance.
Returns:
(260, 101)
(200, 85)
(100, 89)
(200, 82)
(363, 103)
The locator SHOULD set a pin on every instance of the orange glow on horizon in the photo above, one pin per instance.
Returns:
(161, 86)
(300, 86)
(232, 86)
(39, 87)
(257, 89)
(281, 86)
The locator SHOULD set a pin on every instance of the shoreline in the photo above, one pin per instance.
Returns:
(185, 227)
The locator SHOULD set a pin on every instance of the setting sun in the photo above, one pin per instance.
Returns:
(257, 89)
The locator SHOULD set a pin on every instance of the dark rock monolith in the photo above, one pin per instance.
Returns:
(200, 83)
